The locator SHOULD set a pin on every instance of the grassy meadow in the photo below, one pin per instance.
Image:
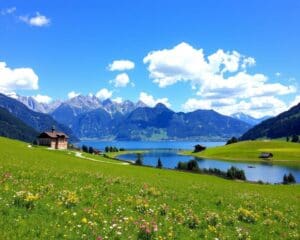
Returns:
(47, 194)
(285, 153)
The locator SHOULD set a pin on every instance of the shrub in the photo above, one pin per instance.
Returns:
(192, 165)
(235, 173)
(181, 166)
(199, 148)
(288, 179)
(232, 140)
(295, 138)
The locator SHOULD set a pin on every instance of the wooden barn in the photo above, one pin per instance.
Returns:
(53, 139)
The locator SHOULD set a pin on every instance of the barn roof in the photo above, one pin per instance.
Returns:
(53, 134)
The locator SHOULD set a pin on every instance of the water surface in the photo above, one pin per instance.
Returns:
(168, 152)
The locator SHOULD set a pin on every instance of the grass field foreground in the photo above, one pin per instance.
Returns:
(48, 194)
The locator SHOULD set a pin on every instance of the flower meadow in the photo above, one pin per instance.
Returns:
(54, 195)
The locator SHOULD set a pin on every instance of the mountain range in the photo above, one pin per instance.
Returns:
(88, 117)
(283, 125)
(36, 120)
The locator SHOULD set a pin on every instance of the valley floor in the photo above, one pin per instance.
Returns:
(57, 195)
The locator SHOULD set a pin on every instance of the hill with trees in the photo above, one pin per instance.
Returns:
(12, 127)
(285, 124)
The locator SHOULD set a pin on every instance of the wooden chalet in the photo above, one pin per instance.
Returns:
(53, 139)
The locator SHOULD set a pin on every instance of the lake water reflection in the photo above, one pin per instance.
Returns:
(167, 151)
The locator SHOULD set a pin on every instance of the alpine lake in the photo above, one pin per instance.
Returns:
(169, 154)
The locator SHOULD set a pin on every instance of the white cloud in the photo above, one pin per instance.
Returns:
(121, 80)
(42, 98)
(8, 11)
(118, 100)
(219, 75)
(277, 74)
(256, 106)
(17, 79)
(295, 101)
(151, 101)
(73, 94)
(121, 65)
(103, 94)
(38, 20)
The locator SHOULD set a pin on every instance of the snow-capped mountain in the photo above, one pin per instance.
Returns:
(34, 105)
(248, 119)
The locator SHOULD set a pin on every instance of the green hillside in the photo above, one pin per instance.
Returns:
(283, 125)
(46, 194)
(285, 153)
(12, 127)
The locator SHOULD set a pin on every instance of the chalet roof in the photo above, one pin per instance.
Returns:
(265, 155)
(53, 134)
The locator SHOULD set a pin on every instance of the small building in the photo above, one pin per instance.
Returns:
(266, 155)
(53, 139)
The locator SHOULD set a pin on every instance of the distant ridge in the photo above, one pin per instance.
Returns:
(249, 119)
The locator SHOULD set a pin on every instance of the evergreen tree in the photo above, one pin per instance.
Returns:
(91, 150)
(291, 178)
(139, 160)
(295, 138)
(84, 148)
(159, 163)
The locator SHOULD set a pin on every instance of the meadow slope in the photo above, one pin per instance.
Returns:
(46, 194)
(285, 153)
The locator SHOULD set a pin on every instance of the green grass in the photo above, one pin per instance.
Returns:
(285, 153)
(48, 194)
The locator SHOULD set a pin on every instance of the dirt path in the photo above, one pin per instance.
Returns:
(79, 155)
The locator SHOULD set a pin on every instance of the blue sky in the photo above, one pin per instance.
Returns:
(68, 46)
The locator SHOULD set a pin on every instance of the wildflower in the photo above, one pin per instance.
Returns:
(25, 199)
(68, 198)
(84, 220)
(247, 215)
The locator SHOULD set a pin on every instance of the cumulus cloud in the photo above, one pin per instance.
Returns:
(151, 101)
(121, 80)
(7, 11)
(73, 94)
(17, 79)
(295, 101)
(38, 20)
(42, 98)
(103, 94)
(256, 106)
(121, 65)
(219, 75)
